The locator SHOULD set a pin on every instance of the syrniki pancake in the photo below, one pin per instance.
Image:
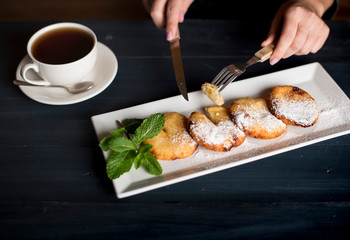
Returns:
(252, 116)
(173, 142)
(215, 132)
(293, 106)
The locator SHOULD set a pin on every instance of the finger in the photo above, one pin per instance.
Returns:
(157, 13)
(268, 40)
(172, 17)
(186, 4)
(319, 44)
(288, 33)
(274, 30)
(321, 40)
(300, 42)
(308, 32)
(315, 40)
(312, 45)
(272, 35)
(308, 45)
(182, 17)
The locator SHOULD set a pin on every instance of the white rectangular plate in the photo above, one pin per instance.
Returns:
(331, 100)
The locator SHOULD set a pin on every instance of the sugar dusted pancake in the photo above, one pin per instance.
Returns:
(219, 115)
(293, 106)
(173, 142)
(253, 117)
(214, 130)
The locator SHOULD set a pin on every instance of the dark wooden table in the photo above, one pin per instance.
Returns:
(52, 172)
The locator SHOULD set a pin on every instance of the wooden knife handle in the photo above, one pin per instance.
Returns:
(177, 35)
(265, 53)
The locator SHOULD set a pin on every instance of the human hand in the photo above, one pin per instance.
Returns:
(166, 14)
(298, 28)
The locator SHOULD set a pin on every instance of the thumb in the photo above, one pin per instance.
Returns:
(270, 39)
(274, 30)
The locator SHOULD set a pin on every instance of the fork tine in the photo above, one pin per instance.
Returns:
(228, 81)
(225, 79)
(218, 77)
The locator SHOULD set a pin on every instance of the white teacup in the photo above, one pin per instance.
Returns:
(62, 54)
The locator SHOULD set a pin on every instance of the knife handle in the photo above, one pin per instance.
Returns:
(265, 53)
(177, 35)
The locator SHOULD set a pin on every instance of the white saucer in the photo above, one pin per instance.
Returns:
(102, 75)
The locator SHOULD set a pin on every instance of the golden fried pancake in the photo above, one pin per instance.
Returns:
(293, 106)
(213, 93)
(252, 116)
(220, 134)
(173, 141)
(220, 114)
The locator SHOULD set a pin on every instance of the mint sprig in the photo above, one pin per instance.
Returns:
(131, 124)
(149, 128)
(128, 151)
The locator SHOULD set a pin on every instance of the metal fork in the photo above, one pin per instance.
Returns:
(229, 73)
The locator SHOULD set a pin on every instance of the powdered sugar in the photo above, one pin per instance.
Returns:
(216, 134)
(182, 139)
(263, 118)
(302, 112)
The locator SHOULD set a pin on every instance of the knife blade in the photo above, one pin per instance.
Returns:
(177, 64)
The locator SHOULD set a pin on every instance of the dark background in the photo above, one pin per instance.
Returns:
(33, 10)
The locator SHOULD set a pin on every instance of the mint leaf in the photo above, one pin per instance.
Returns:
(120, 144)
(131, 124)
(145, 148)
(151, 164)
(140, 156)
(118, 132)
(119, 163)
(125, 151)
(138, 160)
(149, 128)
(104, 144)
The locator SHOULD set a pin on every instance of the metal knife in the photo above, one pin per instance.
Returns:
(177, 64)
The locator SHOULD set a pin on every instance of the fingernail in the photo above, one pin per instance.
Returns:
(182, 17)
(169, 36)
(273, 61)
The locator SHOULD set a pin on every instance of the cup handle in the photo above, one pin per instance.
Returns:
(35, 67)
